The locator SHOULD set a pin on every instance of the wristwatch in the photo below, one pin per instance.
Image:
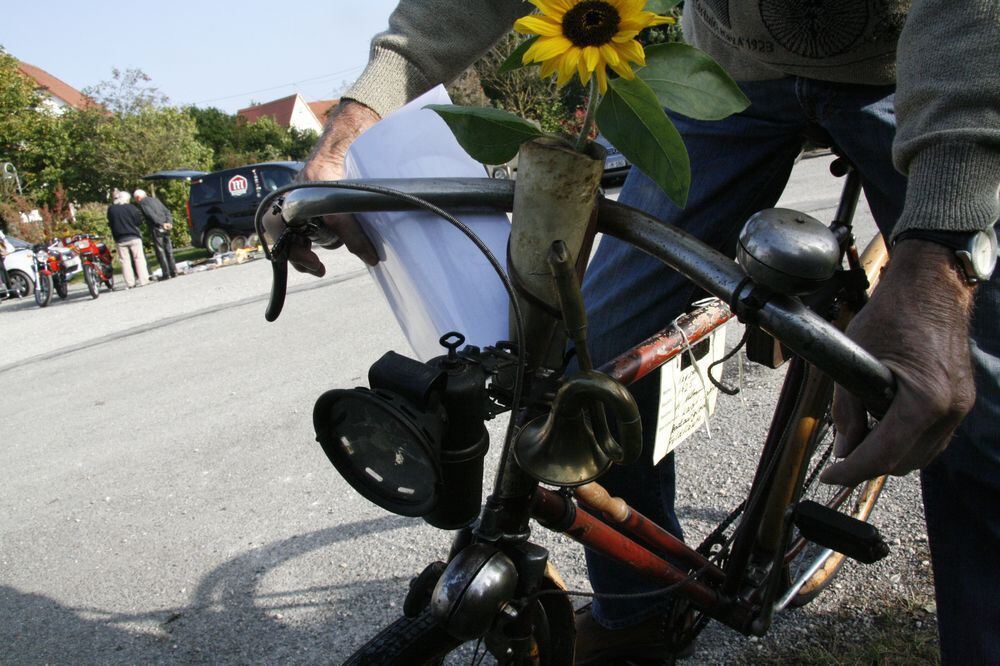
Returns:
(975, 251)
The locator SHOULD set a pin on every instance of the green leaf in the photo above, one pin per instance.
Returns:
(661, 7)
(631, 118)
(514, 60)
(490, 136)
(689, 82)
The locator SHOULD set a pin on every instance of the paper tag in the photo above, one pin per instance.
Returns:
(683, 394)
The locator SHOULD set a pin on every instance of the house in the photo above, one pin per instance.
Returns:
(291, 111)
(57, 95)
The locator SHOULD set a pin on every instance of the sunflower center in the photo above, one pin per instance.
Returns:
(591, 23)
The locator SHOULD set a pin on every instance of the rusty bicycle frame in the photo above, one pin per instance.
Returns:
(824, 355)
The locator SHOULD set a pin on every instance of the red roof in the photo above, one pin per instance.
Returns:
(55, 87)
(323, 107)
(279, 109)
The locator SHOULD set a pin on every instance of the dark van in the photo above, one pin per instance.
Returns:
(222, 204)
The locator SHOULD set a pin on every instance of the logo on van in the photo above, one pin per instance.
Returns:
(237, 185)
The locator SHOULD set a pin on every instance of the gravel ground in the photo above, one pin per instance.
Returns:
(162, 499)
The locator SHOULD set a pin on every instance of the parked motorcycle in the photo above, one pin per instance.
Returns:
(54, 266)
(96, 259)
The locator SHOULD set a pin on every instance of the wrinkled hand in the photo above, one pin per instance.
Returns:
(917, 324)
(348, 120)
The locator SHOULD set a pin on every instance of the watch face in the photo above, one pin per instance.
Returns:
(984, 253)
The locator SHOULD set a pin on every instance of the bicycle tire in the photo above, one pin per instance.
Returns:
(92, 279)
(856, 502)
(421, 641)
(43, 293)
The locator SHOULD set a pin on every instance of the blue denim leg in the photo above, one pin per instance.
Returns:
(739, 166)
(961, 490)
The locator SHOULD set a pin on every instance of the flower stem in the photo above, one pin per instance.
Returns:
(588, 120)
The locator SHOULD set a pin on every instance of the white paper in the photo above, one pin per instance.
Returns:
(683, 407)
(433, 277)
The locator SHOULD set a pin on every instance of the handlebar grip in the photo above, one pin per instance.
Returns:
(279, 285)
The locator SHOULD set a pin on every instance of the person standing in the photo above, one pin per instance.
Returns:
(125, 221)
(160, 222)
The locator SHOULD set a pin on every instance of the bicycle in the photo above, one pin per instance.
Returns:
(417, 434)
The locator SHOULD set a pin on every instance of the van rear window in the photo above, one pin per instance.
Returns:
(205, 190)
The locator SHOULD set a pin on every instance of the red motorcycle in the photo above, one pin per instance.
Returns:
(96, 259)
(54, 265)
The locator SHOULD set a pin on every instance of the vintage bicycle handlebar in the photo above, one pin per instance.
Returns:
(803, 331)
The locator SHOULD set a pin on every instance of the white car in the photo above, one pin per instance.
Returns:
(19, 265)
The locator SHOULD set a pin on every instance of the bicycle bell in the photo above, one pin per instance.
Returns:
(787, 251)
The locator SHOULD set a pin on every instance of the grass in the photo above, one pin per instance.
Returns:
(901, 632)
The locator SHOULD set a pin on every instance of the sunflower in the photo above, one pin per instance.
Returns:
(584, 36)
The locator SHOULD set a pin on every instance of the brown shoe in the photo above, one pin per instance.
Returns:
(643, 643)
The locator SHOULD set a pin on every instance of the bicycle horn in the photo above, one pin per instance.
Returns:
(573, 445)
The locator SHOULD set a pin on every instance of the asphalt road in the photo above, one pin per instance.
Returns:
(162, 498)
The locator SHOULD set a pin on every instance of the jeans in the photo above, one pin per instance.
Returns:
(740, 165)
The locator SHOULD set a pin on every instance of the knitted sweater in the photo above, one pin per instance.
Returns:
(944, 57)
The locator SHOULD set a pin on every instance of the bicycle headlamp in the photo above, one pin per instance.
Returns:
(385, 449)
(412, 440)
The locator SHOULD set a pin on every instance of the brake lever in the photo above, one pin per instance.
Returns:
(279, 276)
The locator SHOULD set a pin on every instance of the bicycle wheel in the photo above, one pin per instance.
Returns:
(421, 641)
(807, 565)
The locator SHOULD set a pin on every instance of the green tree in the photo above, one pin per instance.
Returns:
(127, 92)
(31, 136)
(216, 130)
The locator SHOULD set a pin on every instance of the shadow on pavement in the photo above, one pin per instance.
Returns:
(228, 620)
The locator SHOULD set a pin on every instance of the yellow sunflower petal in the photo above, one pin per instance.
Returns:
(538, 25)
(609, 54)
(553, 8)
(568, 66)
(623, 70)
(663, 20)
(582, 71)
(643, 20)
(548, 68)
(591, 56)
(625, 36)
(602, 78)
(628, 7)
(545, 48)
(631, 51)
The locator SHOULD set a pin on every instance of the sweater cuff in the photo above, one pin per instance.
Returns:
(952, 187)
(371, 90)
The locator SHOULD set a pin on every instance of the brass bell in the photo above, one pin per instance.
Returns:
(573, 444)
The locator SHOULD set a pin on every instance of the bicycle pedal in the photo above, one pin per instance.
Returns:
(831, 529)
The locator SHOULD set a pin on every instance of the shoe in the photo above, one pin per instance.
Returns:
(643, 643)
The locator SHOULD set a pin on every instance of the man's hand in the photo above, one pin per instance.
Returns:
(345, 123)
(917, 323)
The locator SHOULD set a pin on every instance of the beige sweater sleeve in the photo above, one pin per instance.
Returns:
(948, 113)
(430, 42)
